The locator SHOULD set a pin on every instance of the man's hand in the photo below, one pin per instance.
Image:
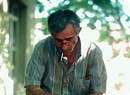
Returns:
(96, 93)
(35, 90)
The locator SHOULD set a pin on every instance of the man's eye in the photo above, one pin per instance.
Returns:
(59, 40)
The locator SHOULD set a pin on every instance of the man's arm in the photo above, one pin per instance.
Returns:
(34, 72)
(96, 93)
(35, 90)
(96, 71)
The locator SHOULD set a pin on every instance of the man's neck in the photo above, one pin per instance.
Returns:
(72, 55)
(68, 53)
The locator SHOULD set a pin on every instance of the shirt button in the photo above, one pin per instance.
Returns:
(65, 81)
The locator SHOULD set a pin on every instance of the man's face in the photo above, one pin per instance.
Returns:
(67, 39)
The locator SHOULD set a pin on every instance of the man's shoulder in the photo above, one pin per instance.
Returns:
(90, 47)
(95, 48)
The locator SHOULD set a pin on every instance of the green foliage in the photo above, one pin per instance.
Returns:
(91, 25)
(44, 22)
(104, 4)
(100, 10)
(127, 55)
(3, 37)
(92, 22)
(115, 52)
(103, 35)
(40, 6)
(128, 19)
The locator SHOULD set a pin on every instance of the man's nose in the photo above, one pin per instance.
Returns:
(64, 42)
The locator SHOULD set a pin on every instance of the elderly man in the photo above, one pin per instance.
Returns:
(57, 65)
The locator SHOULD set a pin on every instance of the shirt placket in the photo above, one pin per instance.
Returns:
(58, 73)
(66, 77)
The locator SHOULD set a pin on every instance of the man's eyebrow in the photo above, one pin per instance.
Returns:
(69, 38)
(58, 39)
(64, 38)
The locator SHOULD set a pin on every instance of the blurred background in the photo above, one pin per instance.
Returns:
(24, 22)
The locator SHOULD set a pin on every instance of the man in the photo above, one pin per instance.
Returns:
(57, 65)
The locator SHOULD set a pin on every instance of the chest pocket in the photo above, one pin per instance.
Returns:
(80, 87)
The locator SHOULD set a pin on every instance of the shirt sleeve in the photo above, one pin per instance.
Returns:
(34, 69)
(96, 71)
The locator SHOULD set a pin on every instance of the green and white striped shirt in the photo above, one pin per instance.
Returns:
(49, 70)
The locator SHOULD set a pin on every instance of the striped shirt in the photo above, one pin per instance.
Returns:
(48, 69)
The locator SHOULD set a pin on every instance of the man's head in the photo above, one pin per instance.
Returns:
(64, 28)
(58, 20)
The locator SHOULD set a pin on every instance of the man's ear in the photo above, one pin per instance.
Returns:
(79, 30)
